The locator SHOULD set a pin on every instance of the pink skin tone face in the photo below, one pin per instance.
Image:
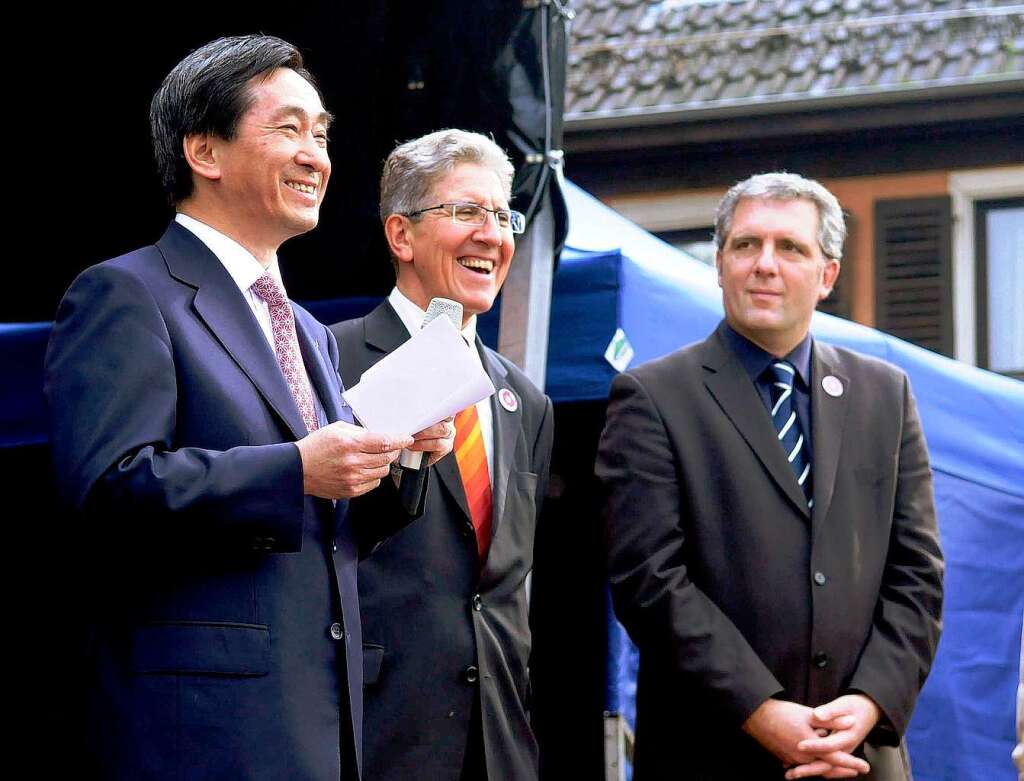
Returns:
(439, 258)
(773, 272)
(266, 184)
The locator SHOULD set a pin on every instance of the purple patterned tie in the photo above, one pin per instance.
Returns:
(286, 346)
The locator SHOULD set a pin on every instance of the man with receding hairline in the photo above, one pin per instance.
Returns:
(446, 610)
(772, 545)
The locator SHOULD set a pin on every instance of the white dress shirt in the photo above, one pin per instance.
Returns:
(245, 270)
(240, 264)
(412, 318)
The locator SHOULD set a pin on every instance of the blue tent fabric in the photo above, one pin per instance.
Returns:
(974, 424)
(22, 414)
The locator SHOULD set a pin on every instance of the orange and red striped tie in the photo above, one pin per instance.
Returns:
(472, 460)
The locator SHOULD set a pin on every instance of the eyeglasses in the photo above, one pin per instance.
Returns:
(475, 214)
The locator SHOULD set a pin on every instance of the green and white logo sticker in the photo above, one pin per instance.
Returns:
(620, 351)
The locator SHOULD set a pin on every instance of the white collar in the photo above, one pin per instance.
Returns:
(239, 262)
(412, 316)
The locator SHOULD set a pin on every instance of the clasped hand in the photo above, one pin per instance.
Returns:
(818, 741)
(340, 461)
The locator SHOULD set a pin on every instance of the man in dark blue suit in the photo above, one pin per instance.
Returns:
(200, 439)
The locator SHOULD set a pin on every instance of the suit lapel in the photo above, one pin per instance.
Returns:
(383, 329)
(828, 419)
(224, 310)
(506, 427)
(316, 367)
(731, 387)
(385, 332)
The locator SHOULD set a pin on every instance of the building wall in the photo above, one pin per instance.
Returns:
(673, 209)
(858, 195)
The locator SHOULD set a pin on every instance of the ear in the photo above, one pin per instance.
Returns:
(718, 266)
(201, 155)
(829, 275)
(398, 230)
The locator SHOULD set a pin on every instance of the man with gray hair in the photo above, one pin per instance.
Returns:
(772, 544)
(444, 604)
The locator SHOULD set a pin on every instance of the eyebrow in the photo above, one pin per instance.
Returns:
(324, 117)
(478, 202)
(758, 238)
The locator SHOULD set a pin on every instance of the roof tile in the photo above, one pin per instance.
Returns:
(752, 50)
(821, 7)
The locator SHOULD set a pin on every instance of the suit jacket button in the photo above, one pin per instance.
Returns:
(820, 660)
(477, 603)
(334, 547)
(820, 579)
(471, 674)
(337, 633)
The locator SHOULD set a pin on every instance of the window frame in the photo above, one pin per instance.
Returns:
(982, 207)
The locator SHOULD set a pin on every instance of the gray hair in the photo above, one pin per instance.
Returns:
(413, 168)
(781, 186)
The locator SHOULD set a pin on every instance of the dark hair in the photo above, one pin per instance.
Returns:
(208, 92)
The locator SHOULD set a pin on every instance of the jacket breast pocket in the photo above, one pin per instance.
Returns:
(201, 647)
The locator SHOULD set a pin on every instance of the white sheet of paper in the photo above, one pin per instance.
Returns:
(430, 377)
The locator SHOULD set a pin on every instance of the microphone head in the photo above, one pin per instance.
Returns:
(444, 307)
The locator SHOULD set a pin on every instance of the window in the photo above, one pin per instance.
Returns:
(1000, 187)
(999, 274)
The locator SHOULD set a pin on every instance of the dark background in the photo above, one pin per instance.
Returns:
(81, 160)
(99, 69)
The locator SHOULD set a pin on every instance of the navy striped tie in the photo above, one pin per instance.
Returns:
(787, 425)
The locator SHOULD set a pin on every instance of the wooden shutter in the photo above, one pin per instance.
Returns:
(913, 294)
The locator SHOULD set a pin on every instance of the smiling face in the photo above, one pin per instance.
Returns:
(772, 271)
(439, 258)
(266, 184)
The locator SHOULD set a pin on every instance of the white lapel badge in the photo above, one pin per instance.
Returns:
(832, 385)
(508, 400)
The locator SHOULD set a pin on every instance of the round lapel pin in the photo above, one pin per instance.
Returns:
(832, 385)
(508, 400)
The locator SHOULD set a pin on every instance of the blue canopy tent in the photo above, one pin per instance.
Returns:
(615, 275)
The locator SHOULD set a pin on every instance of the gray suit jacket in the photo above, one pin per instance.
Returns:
(440, 634)
(734, 591)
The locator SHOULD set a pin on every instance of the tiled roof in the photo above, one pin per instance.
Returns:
(641, 60)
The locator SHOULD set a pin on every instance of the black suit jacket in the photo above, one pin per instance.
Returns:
(220, 603)
(732, 590)
(440, 634)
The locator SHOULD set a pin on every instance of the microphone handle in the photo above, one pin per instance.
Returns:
(439, 307)
(411, 459)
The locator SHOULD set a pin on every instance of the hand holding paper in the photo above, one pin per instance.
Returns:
(430, 377)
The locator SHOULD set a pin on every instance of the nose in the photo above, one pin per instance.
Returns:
(489, 233)
(766, 260)
(310, 153)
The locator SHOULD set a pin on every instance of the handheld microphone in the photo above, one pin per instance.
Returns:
(439, 307)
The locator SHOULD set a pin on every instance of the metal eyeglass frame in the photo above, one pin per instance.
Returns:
(516, 220)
